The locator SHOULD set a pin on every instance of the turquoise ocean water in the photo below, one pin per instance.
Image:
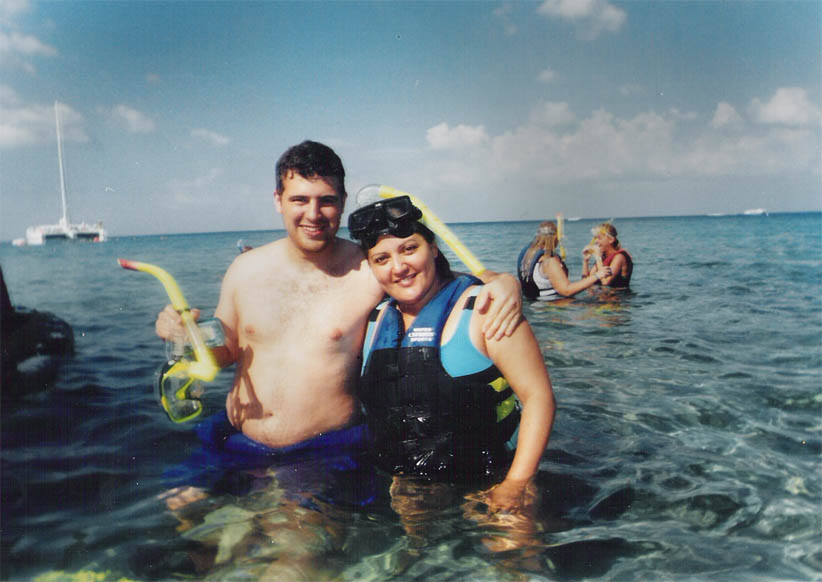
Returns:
(686, 446)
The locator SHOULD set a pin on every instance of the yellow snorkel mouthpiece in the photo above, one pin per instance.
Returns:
(177, 387)
(374, 192)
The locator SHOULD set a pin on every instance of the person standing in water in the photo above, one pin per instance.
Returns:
(294, 313)
(444, 403)
(613, 256)
(542, 272)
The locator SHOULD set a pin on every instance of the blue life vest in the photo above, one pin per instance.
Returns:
(425, 420)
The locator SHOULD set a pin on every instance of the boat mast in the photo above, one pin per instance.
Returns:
(64, 219)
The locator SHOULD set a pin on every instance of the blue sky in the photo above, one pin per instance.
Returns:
(174, 113)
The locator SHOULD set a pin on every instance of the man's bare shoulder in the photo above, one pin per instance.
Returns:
(252, 259)
(349, 254)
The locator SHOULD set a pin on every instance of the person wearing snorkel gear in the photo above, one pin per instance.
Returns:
(613, 256)
(443, 403)
(542, 272)
(294, 313)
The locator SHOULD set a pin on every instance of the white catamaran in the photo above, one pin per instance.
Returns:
(37, 235)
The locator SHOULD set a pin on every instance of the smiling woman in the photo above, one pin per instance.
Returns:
(445, 404)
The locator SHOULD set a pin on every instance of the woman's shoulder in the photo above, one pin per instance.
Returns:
(463, 308)
(553, 261)
(466, 299)
(620, 254)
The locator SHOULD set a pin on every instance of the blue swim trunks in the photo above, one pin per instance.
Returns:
(331, 466)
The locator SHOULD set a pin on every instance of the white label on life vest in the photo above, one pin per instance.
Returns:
(421, 334)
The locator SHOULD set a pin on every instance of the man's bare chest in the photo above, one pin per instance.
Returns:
(301, 309)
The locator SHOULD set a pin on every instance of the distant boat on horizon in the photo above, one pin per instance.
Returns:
(755, 212)
(64, 229)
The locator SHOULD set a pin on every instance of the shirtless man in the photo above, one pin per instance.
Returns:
(294, 311)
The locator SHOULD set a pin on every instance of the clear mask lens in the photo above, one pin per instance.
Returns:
(177, 392)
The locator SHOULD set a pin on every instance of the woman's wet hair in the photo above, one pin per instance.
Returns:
(546, 238)
(441, 264)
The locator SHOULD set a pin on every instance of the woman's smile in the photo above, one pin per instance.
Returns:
(405, 268)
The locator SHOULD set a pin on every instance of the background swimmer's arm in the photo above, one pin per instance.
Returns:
(559, 280)
(616, 267)
(519, 359)
(586, 256)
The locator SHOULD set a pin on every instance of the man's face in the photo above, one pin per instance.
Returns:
(311, 210)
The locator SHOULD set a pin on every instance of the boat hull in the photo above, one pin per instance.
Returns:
(38, 235)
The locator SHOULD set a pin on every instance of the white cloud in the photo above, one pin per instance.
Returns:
(592, 17)
(24, 44)
(193, 190)
(11, 8)
(503, 13)
(211, 137)
(134, 121)
(546, 75)
(552, 113)
(462, 136)
(788, 106)
(8, 96)
(17, 49)
(28, 125)
(774, 152)
(676, 113)
(555, 147)
(725, 115)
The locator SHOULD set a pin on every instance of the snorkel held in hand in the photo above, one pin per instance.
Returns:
(560, 235)
(373, 192)
(594, 247)
(176, 386)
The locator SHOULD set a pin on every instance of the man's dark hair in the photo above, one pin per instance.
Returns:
(311, 159)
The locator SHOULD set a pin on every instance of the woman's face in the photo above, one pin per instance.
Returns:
(405, 268)
(604, 240)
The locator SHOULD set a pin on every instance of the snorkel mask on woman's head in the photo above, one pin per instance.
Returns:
(394, 216)
(547, 229)
(605, 228)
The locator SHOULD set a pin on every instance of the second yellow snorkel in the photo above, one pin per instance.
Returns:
(595, 248)
(560, 234)
(374, 192)
(177, 389)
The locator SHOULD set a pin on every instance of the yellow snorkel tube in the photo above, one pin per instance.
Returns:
(177, 387)
(560, 234)
(374, 192)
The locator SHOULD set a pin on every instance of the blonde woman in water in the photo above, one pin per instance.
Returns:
(542, 272)
(617, 265)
